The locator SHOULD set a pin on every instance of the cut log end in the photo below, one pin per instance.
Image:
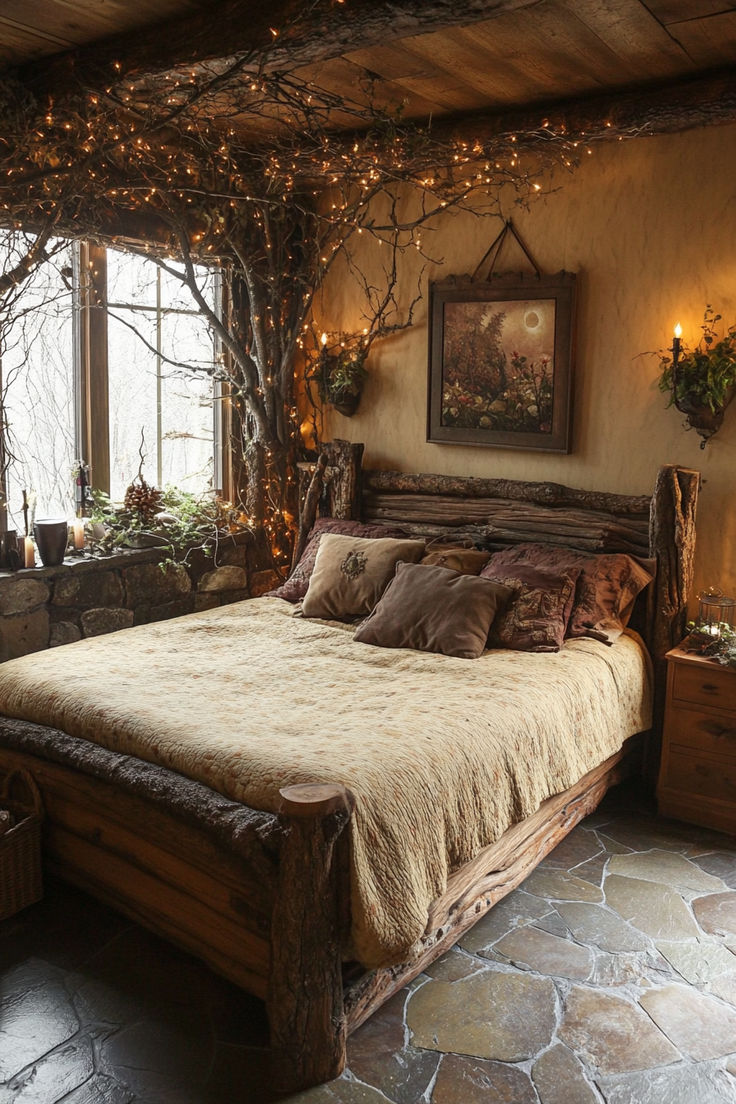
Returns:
(315, 799)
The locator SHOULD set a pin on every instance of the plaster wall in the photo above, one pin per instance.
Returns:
(649, 226)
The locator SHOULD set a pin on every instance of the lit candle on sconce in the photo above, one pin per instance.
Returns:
(29, 553)
(676, 344)
(78, 530)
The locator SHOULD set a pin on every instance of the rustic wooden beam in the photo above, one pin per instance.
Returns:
(305, 994)
(272, 34)
(661, 108)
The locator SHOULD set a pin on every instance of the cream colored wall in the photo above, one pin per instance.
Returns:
(649, 226)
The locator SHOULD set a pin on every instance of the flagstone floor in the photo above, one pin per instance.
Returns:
(609, 976)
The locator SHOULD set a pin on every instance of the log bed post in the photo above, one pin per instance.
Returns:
(305, 993)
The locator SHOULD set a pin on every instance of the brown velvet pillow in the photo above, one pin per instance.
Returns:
(434, 609)
(468, 561)
(351, 573)
(537, 616)
(295, 587)
(607, 584)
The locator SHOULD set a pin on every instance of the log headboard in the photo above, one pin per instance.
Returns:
(499, 512)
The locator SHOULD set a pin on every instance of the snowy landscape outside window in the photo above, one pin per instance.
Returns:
(159, 355)
(36, 363)
(153, 328)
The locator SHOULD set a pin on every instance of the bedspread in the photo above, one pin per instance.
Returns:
(442, 754)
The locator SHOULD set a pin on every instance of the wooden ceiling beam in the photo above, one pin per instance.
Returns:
(270, 33)
(661, 108)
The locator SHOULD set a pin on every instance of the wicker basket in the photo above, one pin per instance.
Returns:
(20, 846)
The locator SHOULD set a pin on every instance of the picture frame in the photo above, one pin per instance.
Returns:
(501, 362)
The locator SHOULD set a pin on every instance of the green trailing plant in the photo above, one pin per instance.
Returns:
(183, 523)
(701, 381)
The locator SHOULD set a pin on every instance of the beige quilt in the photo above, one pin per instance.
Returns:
(442, 754)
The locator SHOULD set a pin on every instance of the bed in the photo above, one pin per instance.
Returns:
(282, 877)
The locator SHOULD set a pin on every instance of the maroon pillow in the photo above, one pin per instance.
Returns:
(536, 618)
(295, 587)
(607, 584)
(434, 609)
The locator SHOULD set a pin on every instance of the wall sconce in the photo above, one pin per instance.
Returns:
(702, 381)
(340, 375)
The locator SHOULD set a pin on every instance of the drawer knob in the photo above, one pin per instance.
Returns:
(710, 687)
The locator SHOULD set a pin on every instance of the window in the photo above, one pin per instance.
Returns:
(97, 364)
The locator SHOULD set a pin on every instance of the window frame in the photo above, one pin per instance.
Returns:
(90, 320)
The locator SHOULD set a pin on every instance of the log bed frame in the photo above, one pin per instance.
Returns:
(265, 903)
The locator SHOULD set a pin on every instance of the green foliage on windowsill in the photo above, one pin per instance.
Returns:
(183, 523)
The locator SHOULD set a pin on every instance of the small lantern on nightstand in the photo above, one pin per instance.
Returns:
(715, 611)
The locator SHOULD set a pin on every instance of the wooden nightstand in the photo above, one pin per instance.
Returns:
(697, 777)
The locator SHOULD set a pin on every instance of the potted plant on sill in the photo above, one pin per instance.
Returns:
(701, 382)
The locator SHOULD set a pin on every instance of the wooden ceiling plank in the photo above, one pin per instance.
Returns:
(309, 33)
(344, 77)
(630, 31)
(709, 41)
(672, 11)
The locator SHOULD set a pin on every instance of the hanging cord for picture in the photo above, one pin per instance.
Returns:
(494, 251)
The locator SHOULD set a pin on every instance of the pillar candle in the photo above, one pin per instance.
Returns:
(78, 527)
(29, 553)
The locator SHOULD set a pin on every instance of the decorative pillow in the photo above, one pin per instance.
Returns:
(295, 587)
(468, 561)
(537, 616)
(607, 588)
(607, 585)
(351, 573)
(434, 609)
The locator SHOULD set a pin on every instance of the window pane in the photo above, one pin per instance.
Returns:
(37, 375)
(160, 359)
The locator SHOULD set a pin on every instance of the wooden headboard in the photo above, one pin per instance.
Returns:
(500, 512)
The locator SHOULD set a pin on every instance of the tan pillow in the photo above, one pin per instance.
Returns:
(468, 561)
(351, 573)
(434, 609)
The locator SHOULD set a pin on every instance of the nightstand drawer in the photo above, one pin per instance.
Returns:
(693, 728)
(711, 685)
(688, 773)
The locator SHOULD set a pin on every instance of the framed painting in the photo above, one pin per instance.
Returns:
(501, 362)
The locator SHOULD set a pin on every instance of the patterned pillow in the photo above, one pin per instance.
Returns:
(351, 573)
(295, 587)
(536, 618)
(607, 585)
(434, 609)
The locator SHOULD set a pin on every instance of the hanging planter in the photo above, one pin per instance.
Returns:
(340, 378)
(702, 382)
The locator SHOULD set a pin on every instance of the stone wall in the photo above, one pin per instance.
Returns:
(90, 595)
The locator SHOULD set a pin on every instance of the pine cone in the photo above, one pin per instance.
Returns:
(143, 499)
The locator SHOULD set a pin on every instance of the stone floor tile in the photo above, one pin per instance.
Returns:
(643, 832)
(506, 1016)
(612, 846)
(577, 847)
(510, 912)
(377, 1055)
(100, 1090)
(560, 885)
(475, 1081)
(600, 927)
(651, 907)
(240, 1075)
(612, 1034)
(546, 954)
(701, 1026)
(681, 1084)
(629, 968)
(36, 1015)
(171, 1055)
(667, 867)
(716, 913)
(593, 870)
(699, 962)
(724, 987)
(453, 965)
(554, 924)
(559, 1078)
(720, 863)
(53, 1076)
(731, 1066)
